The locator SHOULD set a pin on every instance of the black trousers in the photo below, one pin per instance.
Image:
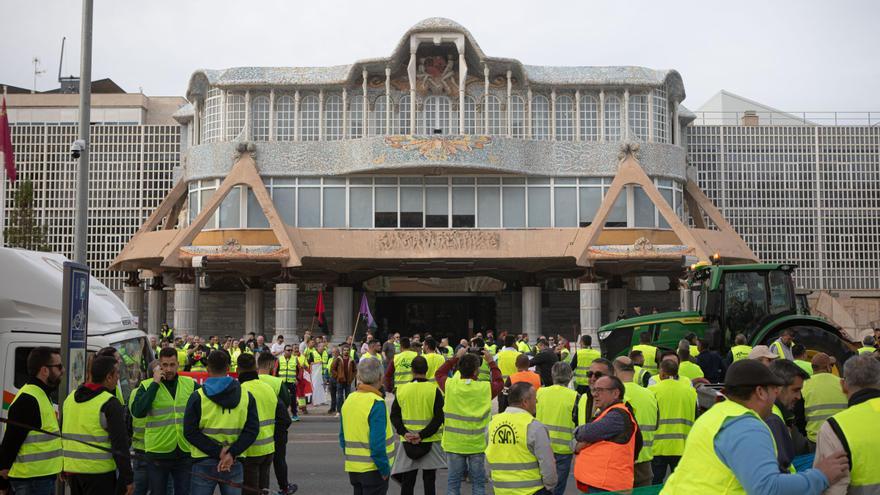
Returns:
(369, 483)
(279, 460)
(89, 484)
(408, 481)
(256, 471)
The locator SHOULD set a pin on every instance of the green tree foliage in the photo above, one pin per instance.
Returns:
(24, 230)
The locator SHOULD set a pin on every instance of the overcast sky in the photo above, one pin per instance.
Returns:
(794, 55)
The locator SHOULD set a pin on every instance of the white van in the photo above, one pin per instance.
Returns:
(30, 316)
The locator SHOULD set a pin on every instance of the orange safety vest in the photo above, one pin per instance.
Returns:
(608, 465)
(526, 376)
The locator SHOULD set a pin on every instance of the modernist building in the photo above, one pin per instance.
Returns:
(460, 191)
(135, 147)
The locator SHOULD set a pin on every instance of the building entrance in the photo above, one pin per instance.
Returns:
(455, 317)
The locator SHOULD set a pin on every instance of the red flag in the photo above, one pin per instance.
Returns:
(6, 144)
(319, 312)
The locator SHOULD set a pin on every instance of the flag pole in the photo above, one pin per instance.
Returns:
(3, 190)
(354, 330)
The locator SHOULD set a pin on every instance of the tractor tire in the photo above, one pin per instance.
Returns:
(816, 340)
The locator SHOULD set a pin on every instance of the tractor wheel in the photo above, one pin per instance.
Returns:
(816, 340)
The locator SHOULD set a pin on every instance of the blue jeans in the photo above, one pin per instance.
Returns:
(563, 467)
(208, 468)
(476, 468)
(659, 465)
(342, 391)
(141, 481)
(33, 486)
(166, 473)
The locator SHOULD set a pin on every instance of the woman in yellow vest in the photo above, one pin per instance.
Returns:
(32, 458)
(557, 411)
(364, 411)
(417, 416)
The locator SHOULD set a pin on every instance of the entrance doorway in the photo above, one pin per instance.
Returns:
(455, 317)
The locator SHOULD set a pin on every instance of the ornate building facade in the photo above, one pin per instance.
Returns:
(459, 191)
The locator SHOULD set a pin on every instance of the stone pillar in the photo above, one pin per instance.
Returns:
(133, 295)
(285, 311)
(342, 313)
(616, 302)
(591, 310)
(157, 306)
(186, 309)
(686, 299)
(531, 312)
(253, 311)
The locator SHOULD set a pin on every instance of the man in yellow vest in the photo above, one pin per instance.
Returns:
(641, 376)
(557, 411)
(677, 402)
(221, 421)
(467, 407)
(644, 406)
(29, 460)
(287, 363)
(687, 368)
(506, 357)
(433, 358)
(740, 349)
(519, 453)
(522, 344)
(257, 459)
(167, 333)
(823, 396)
(365, 433)
(160, 402)
(781, 347)
(650, 352)
(867, 346)
(445, 349)
(855, 429)
(399, 371)
(581, 362)
(800, 358)
(417, 416)
(266, 363)
(92, 414)
(731, 450)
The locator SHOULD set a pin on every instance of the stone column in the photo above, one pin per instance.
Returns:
(343, 299)
(253, 311)
(616, 302)
(591, 310)
(285, 311)
(686, 299)
(531, 312)
(186, 309)
(157, 306)
(133, 295)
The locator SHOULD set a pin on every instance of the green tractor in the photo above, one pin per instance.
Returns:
(756, 300)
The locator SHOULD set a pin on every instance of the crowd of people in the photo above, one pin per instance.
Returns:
(518, 416)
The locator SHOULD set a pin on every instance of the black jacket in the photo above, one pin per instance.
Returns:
(543, 363)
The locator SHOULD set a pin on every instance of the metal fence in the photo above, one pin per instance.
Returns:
(763, 118)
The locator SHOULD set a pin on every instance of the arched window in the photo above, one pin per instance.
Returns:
(260, 118)
(235, 114)
(496, 117)
(356, 116)
(211, 116)
(612, 118)
(377, 117)
(589, 115)
(284, 118)
(333, 118)
(308, 118)
(436, 115)
(564, 118)
(403, 107)
(470, 115)
(540, 117)
(661, 122)
(638, 116)
(517, 115)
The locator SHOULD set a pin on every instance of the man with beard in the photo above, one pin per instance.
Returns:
(789, 441)
(32, 409)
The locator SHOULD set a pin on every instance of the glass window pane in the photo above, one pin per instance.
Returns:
(360, 208)
(644, 208)
(679, 204)
(667, 195)
(617, 216)
(488, 180)
(591, 198)
(411, 207)
(334, 181)
(285, 202)
(437, 207)
(489, 203)
(565, 213)
(230, 210)
(309, 181)
(256, 219)
(334, 207)
(193, 206)
(309, 207)
(386, 207)
(565, 180)
(514, 201)
(360, 180)
(463, 214)
(539, 207)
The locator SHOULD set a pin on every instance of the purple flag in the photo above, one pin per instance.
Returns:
(365, 311)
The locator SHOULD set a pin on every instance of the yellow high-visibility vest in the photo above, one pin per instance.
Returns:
(356, 430)
(221, 425)
(416, 401)
(82, 421)
(645, 412)
(40, 454)
(164, 421)
(403, 367)
(466, 408)
(677, 402)
(514, 468)
(823, 398)
(266, 404)
(507, 362)
(585, 358)
(555, 406)
(859, 426)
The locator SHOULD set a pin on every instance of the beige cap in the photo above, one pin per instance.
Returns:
(761, 351)
(822, 360)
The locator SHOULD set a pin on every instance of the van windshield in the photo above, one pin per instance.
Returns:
(134, 365)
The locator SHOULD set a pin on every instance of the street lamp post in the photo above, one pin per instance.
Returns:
(85, 96)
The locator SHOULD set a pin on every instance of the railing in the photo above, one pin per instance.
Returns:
(762, 118)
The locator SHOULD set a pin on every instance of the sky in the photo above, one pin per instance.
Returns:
(804, 55)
